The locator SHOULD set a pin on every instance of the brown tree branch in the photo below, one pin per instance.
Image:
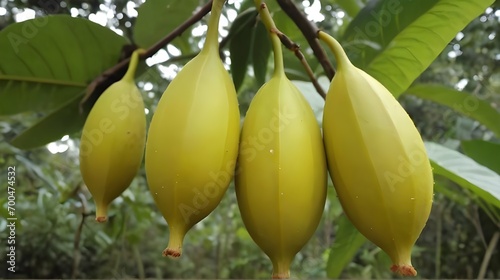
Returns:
(487, 256)
(309, 30)
(113, 74)
(78, 234)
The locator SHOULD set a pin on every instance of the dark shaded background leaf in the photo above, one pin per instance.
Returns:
(261, 52)
(240, 45)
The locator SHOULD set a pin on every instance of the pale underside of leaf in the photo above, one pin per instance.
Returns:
(464, 171)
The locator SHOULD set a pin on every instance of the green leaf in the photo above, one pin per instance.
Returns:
(240, 45)
(377, 24)
(47, 61)
(395, 41)
(441, 186)
(157, 18)
(65, 120)
(351, 7)
(36, 169)
(464, 171)
(261, 52)
(347, 242)
(462, 102)
(483, 152)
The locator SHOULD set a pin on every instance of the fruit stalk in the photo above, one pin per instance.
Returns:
(212, 38)
(268, 21)
(134, 61)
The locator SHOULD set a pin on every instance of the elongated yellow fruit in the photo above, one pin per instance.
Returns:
(377, 161)
(193, 140)
(113, 138)
(281, 178)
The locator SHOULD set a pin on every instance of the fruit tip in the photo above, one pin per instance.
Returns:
(404, 270)
(172, 253)
(101, 219)
(281, 275)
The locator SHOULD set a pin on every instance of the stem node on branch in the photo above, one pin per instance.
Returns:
(309, 30)
(289, 44)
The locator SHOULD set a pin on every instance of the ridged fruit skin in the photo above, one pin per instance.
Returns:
(112, 142)
(192, 142)
(377, 161)
(281, 176)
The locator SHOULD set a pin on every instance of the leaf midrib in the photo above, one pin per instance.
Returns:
(10, 78)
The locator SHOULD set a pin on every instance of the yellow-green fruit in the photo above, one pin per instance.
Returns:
(193, 138)
(112, 143)
(377, 160)
(281, 175)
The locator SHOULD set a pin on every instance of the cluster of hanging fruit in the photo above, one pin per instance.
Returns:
(370, 146)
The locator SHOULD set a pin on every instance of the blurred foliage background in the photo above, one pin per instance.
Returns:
(58, 238)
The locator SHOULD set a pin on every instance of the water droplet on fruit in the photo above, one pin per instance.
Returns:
(271, 151)
(357, 196)
(412, 198)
